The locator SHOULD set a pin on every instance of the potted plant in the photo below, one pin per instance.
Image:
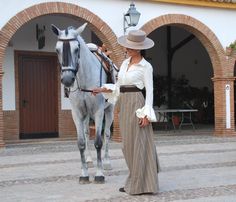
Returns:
(231, 49)
(176, 120)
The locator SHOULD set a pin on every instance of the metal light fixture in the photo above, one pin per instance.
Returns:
(40, 36)
(131, 18)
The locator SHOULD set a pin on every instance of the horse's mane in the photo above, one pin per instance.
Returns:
(85, 48)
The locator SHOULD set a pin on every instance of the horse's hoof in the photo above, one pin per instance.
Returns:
(84, 180)
(99, 179)
(107, 166)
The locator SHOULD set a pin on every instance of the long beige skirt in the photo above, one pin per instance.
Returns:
(138, 146)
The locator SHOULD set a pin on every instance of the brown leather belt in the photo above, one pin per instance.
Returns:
(124, 89)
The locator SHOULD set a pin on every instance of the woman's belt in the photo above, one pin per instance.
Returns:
(129, 88)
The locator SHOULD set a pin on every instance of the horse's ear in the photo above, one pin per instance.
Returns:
(81, 28)
(55, 29)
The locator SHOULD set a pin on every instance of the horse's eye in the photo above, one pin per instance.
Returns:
(76, 50)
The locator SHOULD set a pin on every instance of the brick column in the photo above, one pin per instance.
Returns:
(224, 126)
(2, 144)
(116, 128)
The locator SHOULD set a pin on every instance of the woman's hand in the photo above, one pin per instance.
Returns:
(143, 122)
(97, 90)
(100, 90)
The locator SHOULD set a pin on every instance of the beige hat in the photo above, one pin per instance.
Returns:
(136, 39)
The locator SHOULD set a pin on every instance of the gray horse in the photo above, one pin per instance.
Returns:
(81, 71)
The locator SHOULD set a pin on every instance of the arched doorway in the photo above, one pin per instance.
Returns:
(182, 77)
(221, 78)
(95, 24)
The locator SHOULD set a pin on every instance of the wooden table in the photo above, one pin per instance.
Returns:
(166, 115)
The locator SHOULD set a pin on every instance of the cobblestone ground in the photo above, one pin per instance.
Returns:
(195, 166)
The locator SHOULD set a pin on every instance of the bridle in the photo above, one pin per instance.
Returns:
(70, 69)
(77, 64)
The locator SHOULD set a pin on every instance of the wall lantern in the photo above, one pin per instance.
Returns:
(131, 18)
(40, 36)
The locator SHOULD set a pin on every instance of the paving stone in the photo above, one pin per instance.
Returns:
(195, 167)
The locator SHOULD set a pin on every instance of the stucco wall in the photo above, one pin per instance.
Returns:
(220, 21)
(111, 12)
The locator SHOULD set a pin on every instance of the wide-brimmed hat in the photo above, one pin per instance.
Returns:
(136, 39)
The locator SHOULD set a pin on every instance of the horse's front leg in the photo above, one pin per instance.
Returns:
(107, 132)
(99, 177)
(88, 155)
(81, 141)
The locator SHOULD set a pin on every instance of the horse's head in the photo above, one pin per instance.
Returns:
(68, 52)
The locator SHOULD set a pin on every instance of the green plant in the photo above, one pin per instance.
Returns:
(233, 45)
(159, 90)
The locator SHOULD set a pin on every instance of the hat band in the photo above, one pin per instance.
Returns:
(134, 43)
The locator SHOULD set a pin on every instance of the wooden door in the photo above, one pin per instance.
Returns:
(38, 96)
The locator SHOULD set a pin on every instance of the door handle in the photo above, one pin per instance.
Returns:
(24, 103)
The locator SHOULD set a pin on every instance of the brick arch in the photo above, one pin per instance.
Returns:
(223, 68)
(201, 31)
(96, 24)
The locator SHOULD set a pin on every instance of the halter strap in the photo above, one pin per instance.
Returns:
(64, 40)
(76, 65)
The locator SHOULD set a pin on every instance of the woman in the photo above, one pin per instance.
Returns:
(135, 114)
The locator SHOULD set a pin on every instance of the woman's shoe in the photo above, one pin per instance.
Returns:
(122, 189)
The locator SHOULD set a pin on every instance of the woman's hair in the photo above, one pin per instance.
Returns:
(143, 53)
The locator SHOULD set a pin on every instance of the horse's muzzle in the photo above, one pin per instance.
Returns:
(67, 78)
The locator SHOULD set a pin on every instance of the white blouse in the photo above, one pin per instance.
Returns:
(140, 75)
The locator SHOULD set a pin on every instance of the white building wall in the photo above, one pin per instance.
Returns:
(221, 21)
(8, 84)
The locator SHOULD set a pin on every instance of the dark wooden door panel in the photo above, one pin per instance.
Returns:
(38, 96)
